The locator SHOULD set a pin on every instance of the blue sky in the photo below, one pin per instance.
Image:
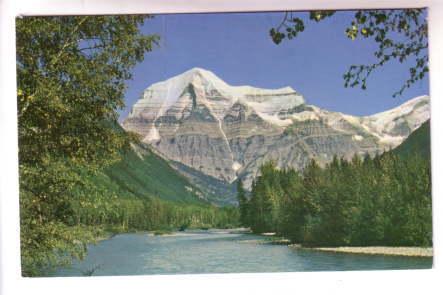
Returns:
(238, 49)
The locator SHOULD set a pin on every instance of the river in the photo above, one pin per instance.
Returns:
(216, 251)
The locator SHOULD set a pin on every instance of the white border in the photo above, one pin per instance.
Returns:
(363, 282)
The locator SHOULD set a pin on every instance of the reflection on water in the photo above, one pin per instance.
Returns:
(218, 252)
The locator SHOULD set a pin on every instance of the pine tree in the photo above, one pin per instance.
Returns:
(243, 203)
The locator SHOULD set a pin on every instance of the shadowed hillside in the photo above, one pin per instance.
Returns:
(418, 142)
(144, 174)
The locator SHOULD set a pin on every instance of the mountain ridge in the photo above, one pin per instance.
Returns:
(227, 132)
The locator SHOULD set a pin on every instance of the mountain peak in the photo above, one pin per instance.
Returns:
(198, 70)
(190, 75)
(224, 131)
(236, 91)
(162, 96)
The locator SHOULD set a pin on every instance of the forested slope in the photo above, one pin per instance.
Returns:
(145, 175)
(380, 201)
(418, 142)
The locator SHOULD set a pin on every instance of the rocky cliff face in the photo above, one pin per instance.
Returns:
(227, 132)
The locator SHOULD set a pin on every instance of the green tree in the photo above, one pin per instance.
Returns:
(294, 206)
(71, 74)
(242, 202)
(399, 35)
(332, 226)
(385, 200)
(265, 197)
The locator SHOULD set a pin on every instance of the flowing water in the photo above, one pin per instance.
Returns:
(200, 252)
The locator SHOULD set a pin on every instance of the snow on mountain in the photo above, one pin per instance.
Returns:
(272, 105)
(223, 131)
(220, 96)
(393, 126)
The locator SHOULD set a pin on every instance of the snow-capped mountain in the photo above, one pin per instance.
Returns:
(213, 92)
(197, 120)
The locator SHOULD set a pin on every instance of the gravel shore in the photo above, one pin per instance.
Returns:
(397, 251)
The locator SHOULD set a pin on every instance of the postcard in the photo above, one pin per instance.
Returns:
(224, 142)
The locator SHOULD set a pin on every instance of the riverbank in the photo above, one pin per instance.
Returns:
(390, 251)
(108, 233)
(237, 230)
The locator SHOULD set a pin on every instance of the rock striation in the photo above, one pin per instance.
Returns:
(226, 132)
